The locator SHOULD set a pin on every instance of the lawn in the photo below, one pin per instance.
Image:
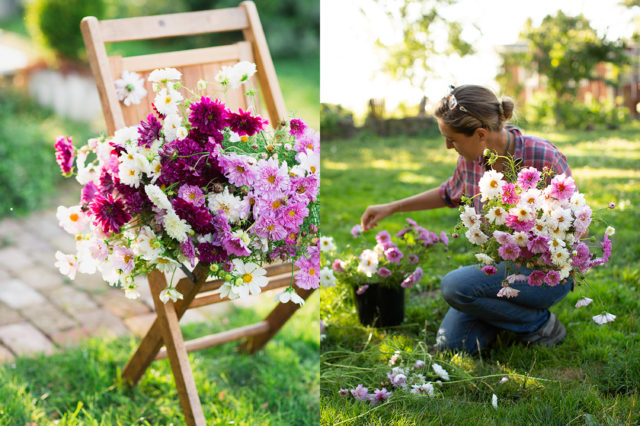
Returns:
(592, 378)
(79, 386)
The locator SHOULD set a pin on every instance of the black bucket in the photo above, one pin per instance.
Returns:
(380, 306)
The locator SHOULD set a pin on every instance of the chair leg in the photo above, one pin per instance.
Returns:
(276, 319)
(174, 342)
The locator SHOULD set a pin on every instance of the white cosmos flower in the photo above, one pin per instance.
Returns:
(556, 244)
(182, 132)
(497, 215)
(235, 75)
(491, 184)
(233, 207)
(289, 295)
(532, 197)
(91, 253)
(508, 292)
(327, 244)
(566, 269)
(437, 368)
(523, 212)
(202, 84)
(476, 236)
(67, 264)
(129, 174)
(577, 201)
(165, 264)
(166, 101)
(327, 278)
(603, 318)
(470, 217)
(172, 122)
(72, 219)
(251, 275)
(563, 218)
(610, 231)
(487, 260)
(164, 75)
(85, 174)
(158, 197)
(423, 389)
(368, 262)
(131, 293)
(521, 238)
(176, 228)
(557, 233)
(225, 291)
(155, 169)
(494, 401)
(170, 293)
(585, 301)
(130, 88)
(127, 136)
(560, 257)
(309, 163)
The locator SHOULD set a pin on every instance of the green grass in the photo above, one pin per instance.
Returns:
(592, 378)
(277, 386)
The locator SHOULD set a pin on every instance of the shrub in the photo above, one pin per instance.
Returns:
(335, 122)
(55, 24)
(28, 171)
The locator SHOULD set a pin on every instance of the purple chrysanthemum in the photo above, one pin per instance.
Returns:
(293, 215)
(208, 116)
(149, 131)
(65, 154)
(379, 396)
(269, 228)
(189, 250)
(296, 127)
(135, 198)
(273, 178)
(309, 140)
(109, 213)
(243, 123)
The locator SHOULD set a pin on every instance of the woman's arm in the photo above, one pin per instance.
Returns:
(425, 201)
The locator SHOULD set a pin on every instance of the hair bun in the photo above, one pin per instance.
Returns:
(506, 108)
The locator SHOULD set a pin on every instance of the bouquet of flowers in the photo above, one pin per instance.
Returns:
(535, 219)
(194, 182)
(389, 263)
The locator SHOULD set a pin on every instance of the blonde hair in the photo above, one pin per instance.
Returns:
(470, 107)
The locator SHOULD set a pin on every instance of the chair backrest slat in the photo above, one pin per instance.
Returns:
(174, 25)
(195, 64)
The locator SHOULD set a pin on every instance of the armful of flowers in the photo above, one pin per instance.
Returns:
(535, 219)
(390, 263)
(195, 182)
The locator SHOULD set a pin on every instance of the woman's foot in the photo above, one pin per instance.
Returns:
(551, 334)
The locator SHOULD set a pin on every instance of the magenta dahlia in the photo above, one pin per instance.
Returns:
(109, 213)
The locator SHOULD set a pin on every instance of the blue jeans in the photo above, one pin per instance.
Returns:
(477, 313)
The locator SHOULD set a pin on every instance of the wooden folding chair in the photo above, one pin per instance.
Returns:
(194, 64)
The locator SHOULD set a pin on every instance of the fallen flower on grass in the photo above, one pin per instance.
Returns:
(379, 395)
(583, 302)
(604, 318)
(423, 389)
(504, 380)
(440, 371)
(360, 393)
(494, 401)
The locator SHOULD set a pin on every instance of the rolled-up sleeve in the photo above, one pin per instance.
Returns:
(452, 189)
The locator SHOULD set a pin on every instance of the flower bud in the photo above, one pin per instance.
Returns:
(217, 188)
(214, 267)
(313, 229)
(455, 235)
(239, 281)
(228, 277)
(612, 205)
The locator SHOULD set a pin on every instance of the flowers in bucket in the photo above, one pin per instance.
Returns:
(388, 263)
(195, 182)
(535, 219)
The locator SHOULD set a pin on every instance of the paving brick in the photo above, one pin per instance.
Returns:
(140, 324)
(31, 242)
(5, 355)
(24, 339)
(64, 243)
(16, 294)
(48, 318)
(115, 302)
(71, 299)
(70, 337)
(92, 283)
(44, 224)
(45, 259)
(100, 322)
(14, 259)
(10, 229)
(8, 315)
(39, 277)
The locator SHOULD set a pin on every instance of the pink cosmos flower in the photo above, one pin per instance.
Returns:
(384, 272)
(413, 259)
(503, 237)
(536, 278)
(489, 269)
(308, 140)
(293, 215)
(397, 377)
(272, 178)
(124, 259)
(509, 195)
(362, 289)
(509, 251)
(518, 225)
(384, 239)
(338, 266)
(379, 395)
(562, 187)
(65, 154)
(444, 238)
(552, 278)
(582, 259)
(411, 222)
(393, 254)
(412, 279)
(528, 178)
(539, 244)
(356, 230)
(297, 127)
(418, 364)
(269, 228)
(304, 188)
(360, 393)
(309, 275)
(67, 264)
(191, 194)
(239, 169)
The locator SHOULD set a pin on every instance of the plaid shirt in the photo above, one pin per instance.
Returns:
(533, 152)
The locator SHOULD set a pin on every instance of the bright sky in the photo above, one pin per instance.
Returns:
(349, 60)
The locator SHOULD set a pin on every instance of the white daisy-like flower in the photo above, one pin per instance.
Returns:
(437, 368)
(252, 276)
(604, 318)
(470, 217)
(585, 301)
(368, 262)
(224, 75)
(146, 244)
(155, 169)
(423, 389)
(565, 270)
(610, 231)
(91, 253)
(243, 71)
(232, 206)
(540, 227)
(166, 101)
(165, 264)
(67, 264)
(201, 84)
(170, 293)
(109, 272)
(487, 260)
(563, 218)
(497, 215)
(494, 401)
(129, 174)
(560, 257)
(86, 173)
(182, 132)
(327, 278)
(577, 201)
(172, 122)
(491, 184)
(504, 380)
(131, 293)
(556, 244)
(130, 88)
(521, 238)
(72, 219)
(165, 75)
(476, 236)
(127, 137)
(557, 233)
(309, 163)
(158, 197)
(532, 198)
(523, 212)
(289, 295)
(327, 244)
(176, 228)
(379, 249)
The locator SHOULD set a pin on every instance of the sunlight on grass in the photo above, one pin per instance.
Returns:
(416, 178)
(591, 173)
(333, 165)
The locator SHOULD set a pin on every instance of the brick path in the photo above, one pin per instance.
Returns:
(43, 311)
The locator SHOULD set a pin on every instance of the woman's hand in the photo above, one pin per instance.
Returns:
(373, 214)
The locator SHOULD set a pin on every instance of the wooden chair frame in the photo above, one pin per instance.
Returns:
(196, 291)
